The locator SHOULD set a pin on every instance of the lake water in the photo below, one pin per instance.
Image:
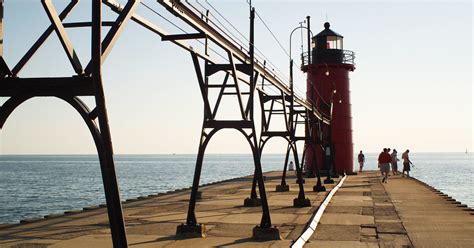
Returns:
(36, 185)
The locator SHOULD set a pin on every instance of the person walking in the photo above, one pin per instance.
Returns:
(290, 166)
(361, 159)
(389, 163)
(394, 162)
(384, 161)
(379, 161)
(406, 163)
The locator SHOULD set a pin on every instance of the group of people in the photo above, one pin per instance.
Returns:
(386, 159)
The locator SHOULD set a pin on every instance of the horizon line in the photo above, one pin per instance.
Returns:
(91, 154)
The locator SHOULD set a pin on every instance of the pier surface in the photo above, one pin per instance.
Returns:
(363, 213)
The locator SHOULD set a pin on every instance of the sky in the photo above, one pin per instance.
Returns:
(412, 87)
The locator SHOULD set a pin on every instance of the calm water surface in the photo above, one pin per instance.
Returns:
(33, 186)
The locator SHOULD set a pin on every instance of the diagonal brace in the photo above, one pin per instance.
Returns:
(202, 86)
(42, 39)
(62, 35)
(219, 97)
(252, 90)
(116, 30)
(236, 82)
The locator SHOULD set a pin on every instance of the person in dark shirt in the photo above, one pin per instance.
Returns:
(361, 159)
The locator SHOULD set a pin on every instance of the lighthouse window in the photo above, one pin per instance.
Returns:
(334, 42)
(331, 45)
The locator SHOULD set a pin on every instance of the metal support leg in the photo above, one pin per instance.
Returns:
(283, 187)
(265, 229)
(301, 200)
(318, 187)
(112, 196)
(191, 229)
(253, 200)
(191, 219)
(265, 222)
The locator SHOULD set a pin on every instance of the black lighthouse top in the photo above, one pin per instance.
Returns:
(328, 48)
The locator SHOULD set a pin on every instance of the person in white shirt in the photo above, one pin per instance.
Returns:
(291, 166)
(394, 162)
(406, 163)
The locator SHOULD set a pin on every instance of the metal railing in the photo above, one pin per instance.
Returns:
(347, 57)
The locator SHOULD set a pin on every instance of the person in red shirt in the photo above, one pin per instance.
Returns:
(380, 162)
(384, 164)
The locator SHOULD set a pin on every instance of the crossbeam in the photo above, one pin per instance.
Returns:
(211, 69)
(183, 36)
(228, 124)
(60, 86)
(276, 133)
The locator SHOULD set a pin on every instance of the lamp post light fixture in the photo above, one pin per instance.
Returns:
(292, 86)
(318, 187)
(301, 201)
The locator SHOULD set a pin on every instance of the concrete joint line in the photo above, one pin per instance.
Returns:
(308, 232)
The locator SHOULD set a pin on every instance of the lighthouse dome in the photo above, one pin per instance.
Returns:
(327, 47)
(328, 32)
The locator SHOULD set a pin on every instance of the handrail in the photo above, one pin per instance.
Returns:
(347, 57)
(191, 18)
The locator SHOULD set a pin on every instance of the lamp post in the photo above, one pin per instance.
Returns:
(292, 132)
(299, 169)
(291, 59)
(329, 149)
(318, 187)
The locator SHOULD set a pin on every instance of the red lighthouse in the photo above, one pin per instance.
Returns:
(328, 88)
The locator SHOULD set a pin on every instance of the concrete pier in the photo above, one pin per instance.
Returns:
(363, 213)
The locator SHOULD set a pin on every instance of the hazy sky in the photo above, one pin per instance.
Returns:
(412, 87)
